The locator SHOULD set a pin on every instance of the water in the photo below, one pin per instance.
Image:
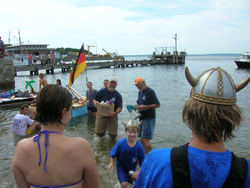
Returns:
(172, 89)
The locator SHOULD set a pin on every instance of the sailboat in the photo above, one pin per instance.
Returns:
(79, 107)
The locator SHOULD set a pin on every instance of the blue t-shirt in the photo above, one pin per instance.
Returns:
(126, 156)
(147, 97)
(91, 95)
(105, 95)
(207, 169)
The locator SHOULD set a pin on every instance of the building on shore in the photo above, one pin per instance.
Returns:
(29, 48)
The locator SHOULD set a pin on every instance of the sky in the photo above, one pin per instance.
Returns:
(131, 27)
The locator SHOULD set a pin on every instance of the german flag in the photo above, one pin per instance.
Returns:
(79, 66)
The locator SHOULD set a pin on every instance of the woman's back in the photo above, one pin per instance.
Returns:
(67, 158)
(50, 158)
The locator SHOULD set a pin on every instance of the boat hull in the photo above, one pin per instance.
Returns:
(243, 64)
(15, 102)
(79, 110)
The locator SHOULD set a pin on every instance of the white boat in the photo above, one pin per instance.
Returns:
(12, 100)
(244, 62)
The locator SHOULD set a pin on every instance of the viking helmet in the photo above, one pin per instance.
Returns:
(215, 86)
(132, 124)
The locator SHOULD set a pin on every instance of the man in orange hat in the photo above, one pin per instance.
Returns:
(147, 102)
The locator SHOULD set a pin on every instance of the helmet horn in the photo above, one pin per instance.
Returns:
(242, 84)
(192, 81)
(124, 123)
(140, 123)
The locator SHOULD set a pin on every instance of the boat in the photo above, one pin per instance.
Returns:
(9, 99)
(78, 106)
(244, 62)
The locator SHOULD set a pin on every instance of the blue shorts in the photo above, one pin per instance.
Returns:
(147, 128)
(123, 176)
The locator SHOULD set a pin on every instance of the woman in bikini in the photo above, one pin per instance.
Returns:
(51, 159)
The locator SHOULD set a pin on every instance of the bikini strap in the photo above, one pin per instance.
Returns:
(40, 186)
(46, 143)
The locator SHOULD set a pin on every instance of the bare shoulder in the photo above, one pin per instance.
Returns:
(24, 148)
(45, 81)
(79, 142)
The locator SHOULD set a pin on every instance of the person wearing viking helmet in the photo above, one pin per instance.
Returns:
(128, 152)
(212, 115)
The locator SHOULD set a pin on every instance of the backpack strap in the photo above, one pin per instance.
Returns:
(180, 167)
(181, 173)
(238, 172)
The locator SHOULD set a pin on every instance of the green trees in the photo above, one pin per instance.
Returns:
(66, 50)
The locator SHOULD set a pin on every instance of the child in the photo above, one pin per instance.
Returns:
(127, 152)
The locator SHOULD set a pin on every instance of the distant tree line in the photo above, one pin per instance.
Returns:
(66, 50)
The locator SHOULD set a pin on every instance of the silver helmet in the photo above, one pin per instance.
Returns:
(215, 86)
(132, 124)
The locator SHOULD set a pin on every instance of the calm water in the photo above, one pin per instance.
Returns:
(172, 89)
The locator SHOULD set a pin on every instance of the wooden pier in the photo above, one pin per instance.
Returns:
(156, 60)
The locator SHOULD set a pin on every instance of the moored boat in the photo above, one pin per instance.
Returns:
(79, 107)
(19, 98)
(244, 62)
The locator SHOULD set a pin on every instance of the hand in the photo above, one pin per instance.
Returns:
(143, 107)
(135, 175)
(96, 103)
(111, 114)
(111, 166)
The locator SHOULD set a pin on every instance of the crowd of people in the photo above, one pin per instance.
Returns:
(212, 114)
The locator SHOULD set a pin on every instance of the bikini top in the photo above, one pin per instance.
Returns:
(46, 143)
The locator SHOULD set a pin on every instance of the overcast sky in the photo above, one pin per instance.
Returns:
(131, 27)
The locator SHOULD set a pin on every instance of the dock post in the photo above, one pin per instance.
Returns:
(176, 56)
(7, 73)
(182, 57)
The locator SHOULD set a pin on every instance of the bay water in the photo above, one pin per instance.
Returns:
(172, 90)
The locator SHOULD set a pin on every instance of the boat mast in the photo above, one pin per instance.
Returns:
(20, 42)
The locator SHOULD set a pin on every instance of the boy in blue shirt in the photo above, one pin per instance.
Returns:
(127, 152)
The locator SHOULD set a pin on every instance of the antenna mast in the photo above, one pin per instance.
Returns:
(20, 42)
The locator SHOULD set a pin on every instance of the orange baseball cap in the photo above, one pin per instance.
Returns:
(138, 80)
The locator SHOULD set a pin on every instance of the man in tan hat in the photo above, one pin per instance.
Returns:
(212, 115)
(147, 102)
(110, 121)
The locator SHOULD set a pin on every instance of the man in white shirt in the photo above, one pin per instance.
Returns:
(23, 124)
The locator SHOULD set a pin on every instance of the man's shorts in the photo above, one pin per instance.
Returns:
(92, 109)
(147, 128)
(103, 122)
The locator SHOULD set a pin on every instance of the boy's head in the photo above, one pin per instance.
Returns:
(131, 125)
(132, 129)
(212, 112)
